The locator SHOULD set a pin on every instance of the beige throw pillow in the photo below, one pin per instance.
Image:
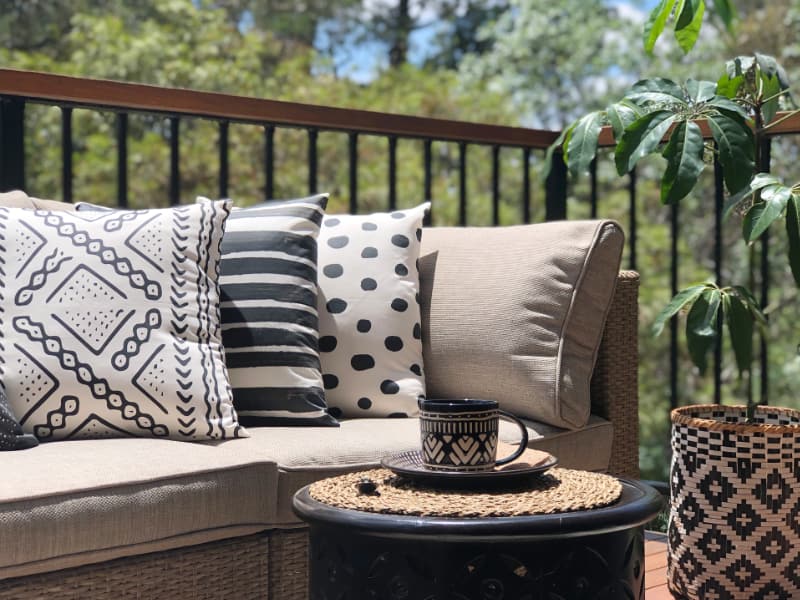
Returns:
(516, 314)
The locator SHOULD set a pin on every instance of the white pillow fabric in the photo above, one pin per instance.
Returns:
(110, 323)
(369, 316)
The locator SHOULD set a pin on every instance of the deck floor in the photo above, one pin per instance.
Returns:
(655, 578)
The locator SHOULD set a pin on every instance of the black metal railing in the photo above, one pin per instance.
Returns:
(20, 89)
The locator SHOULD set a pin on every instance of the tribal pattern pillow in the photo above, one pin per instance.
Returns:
(110, 323)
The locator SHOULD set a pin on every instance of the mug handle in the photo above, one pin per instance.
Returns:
(523, 442)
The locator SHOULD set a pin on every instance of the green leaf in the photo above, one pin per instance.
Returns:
(727, 12)
(761, 215)
(793, 230)
(701, 327)
(684, 154)
(687, 26)
(641, 138)
(621, 114)
(740, 327)
(656, 90)
(725, 104)
(656, 21)
(700, 91)
(771, 88)
(680, 300)
(729, 85)
(582, 143)
(559, 141)
(734, 140)
(761, 180)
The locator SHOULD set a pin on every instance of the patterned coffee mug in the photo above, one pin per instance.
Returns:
(461, 435)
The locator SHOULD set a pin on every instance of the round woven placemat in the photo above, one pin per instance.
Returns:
(557, 491)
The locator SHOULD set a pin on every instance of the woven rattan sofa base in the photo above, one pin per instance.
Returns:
(270, 565)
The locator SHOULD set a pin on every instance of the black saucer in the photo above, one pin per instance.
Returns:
(409, 465)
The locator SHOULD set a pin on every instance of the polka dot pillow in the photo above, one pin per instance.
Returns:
(369, 317)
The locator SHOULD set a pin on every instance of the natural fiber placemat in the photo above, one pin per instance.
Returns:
(557, 491)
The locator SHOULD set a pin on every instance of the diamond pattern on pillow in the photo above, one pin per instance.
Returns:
(370, 333)
(111, 323)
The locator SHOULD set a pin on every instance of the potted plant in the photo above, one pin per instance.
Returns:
(734, 529)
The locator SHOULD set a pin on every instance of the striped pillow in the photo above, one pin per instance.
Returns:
(268, 298)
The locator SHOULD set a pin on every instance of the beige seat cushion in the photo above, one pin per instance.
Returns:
(516, 314)
(19, 199)
(69, 503)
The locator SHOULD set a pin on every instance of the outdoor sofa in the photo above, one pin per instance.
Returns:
(147, 518)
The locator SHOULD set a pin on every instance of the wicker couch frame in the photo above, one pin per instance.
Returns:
(273, 564)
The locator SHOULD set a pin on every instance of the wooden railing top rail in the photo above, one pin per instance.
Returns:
(114, 95)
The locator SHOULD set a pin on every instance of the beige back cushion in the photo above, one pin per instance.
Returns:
(19, 199)
(516, 314)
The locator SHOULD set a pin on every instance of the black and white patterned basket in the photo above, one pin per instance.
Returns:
(734, 528)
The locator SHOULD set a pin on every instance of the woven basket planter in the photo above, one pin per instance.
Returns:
(734, 528)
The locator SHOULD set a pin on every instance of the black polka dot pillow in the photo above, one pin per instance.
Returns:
(369, 317)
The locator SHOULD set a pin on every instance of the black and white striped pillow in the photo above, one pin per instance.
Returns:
(268, 303)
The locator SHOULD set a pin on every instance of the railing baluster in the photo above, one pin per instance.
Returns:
(719, 200)
(392, 172)
(526, 185)
(556, 189)
(223, 159)
(673, 323)
(269, 162)
(462, 183)
(353, 147)
(632, 215)
(427, 159)
(122, 160)
(174, 161)
(495, 185)
(312, 161)
(593, 187)
(765, 166)
(12, 144)
(66, 154)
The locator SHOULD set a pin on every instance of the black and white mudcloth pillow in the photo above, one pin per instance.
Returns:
(110, 323)
(11, 435)
(370, 333)
(268, 289)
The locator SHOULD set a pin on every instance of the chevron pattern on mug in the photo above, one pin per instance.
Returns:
(459, 441)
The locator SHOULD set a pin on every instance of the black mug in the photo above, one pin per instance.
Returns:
(461, 435)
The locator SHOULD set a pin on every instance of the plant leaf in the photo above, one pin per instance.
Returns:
(680, 300)
(654, 26)
(684, 154)
(561, 140)
(740, 327)
(771, 89)
(621, 114)
(656, 90)
(727, 12)
(793, 230)
(641, 138)
(582, 143)
(729, 85)
(687, 26)
(700, 90)
(725, 104)
(701, 326)
(761, 215)
(734, 140)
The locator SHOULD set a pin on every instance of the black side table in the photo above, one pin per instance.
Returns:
(583, 555)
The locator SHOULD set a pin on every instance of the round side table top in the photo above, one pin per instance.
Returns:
(381, 502)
